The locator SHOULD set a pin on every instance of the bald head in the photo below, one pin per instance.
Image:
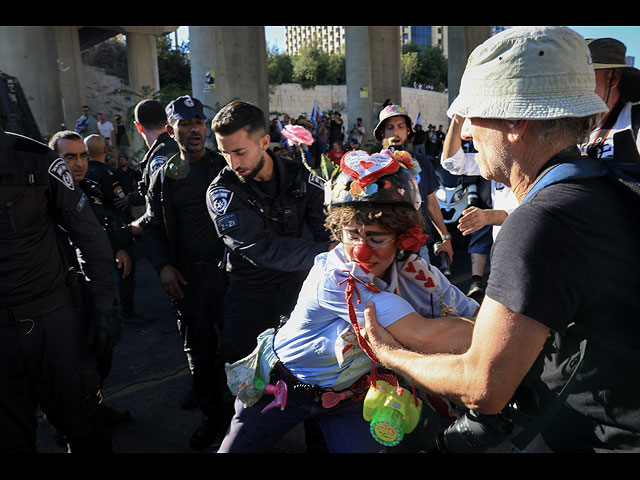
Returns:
(97, 146)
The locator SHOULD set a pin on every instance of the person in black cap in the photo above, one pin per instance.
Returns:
(186, 252)
(618, 84)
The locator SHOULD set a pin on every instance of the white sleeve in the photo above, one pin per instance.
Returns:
(461, 163)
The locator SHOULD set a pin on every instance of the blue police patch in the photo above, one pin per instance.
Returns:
(157, 162)
(81, 202)
(220, 200)
(226, 222)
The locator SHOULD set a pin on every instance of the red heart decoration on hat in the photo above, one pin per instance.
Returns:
(429, 283)
(421, 275)
(365, 168)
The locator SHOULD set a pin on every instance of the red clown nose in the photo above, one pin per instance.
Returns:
(362, 252)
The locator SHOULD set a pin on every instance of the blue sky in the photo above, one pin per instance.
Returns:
(629, 35)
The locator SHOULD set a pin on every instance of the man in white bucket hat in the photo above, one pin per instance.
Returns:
(561, 293)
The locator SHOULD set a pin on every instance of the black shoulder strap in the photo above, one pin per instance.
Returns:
(635, 119)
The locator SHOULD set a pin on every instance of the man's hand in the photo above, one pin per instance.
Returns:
(123, 262)
(122, 202)
(171, 279)
(447, 247)
(474, 218)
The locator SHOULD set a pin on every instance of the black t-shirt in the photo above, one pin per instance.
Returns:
(572, 254)
(197, 237)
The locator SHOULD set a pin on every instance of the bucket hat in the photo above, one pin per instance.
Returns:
(387, 112)
(534, 73)
(611, 53)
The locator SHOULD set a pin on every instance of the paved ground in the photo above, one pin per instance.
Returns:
(150, 377)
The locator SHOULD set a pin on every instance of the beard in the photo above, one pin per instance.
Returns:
(253, 172)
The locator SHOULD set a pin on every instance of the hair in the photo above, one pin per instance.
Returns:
(568, 130)
(63, 135)
(238, 115)
(151, 115)
(396, 218)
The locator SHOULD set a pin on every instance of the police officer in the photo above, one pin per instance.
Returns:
(186, 252)
(72, 149)
(269, 212)
(116, 203)
(43, 355)
(151, 123)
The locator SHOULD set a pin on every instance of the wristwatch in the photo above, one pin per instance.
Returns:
(446, 237)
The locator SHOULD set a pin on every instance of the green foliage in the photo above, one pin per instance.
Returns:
(174, 67)
(279, 67)
(423, 64)
(409, 67)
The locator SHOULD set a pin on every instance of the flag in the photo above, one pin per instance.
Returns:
(316, 114)
(283, 139)
(418, 121)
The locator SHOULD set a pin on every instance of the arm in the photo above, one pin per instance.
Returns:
(503, 347)
(435, 214)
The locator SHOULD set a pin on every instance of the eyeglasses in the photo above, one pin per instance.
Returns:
(375, 240)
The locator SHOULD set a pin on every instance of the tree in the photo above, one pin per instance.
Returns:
(279, 67)
(433, 68)
(174, 67)
(409, 68)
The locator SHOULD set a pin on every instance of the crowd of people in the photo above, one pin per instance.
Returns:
(348, 300)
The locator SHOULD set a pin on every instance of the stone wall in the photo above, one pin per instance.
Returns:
(288, 98)
(292, 99)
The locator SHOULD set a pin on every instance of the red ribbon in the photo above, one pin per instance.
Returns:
(413, 240)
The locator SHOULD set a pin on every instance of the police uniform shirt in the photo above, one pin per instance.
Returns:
(266, 236)
(31, 265)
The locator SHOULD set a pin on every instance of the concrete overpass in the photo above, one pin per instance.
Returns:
(47, 62)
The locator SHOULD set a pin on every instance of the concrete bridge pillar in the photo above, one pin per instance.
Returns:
(31, 55)
(229, 63)
(373, 72)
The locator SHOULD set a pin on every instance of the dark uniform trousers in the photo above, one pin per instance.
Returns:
(251, 309)
(45, 360)
(199, 322)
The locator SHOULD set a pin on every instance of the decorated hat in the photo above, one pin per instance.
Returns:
(384, 177)
(387, 112)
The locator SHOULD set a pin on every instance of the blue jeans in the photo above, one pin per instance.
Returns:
(344, 428)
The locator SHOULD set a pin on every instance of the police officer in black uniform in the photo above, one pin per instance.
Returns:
(270, 213)
(186, 252)
(72, 149)
(151, 123)
(116, 201)
(44, 357)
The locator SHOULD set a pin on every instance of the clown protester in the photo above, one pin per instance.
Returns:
(317, 363)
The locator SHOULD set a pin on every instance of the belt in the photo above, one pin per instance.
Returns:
(13, 315)
(328, 397)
